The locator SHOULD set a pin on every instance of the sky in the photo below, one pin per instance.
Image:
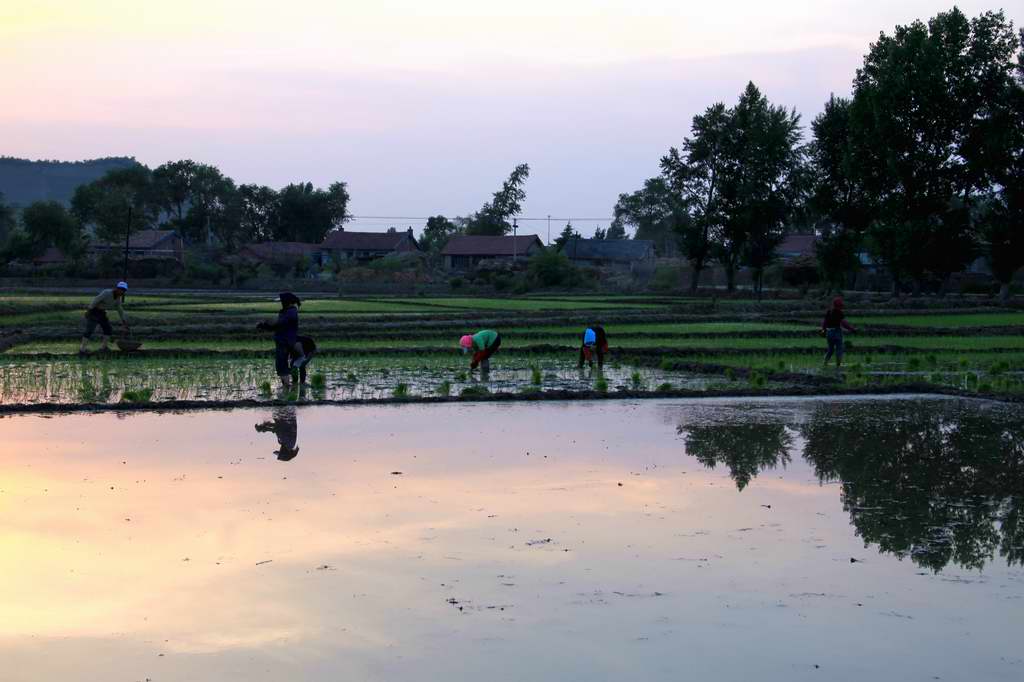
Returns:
(423, 108)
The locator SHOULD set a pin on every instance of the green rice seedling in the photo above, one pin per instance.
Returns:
(666, 364)
(937, 378)
(664, 387)
(759, 380)
(984, 387)
(400, 391)
(265, 389)
(474, 392)
(351, 378)
(444, 389)
(781, 365)
(461, 376)
(913, 364)
(931, 359)
(964, 364)
(535, 375)
(730, 374)
(140, 395)
(601, 384)
(293, 394)
(636, 380)
(318, 382)
(529, 390)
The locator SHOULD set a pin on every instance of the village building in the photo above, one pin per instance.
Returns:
(146, 245)
(344, 246)
(794, 246)
(469, 251)
(278, 254)
(635, 255)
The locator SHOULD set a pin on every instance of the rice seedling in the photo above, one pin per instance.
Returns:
(664, 387)
(601, 384)
(400, 390)
(535, 375)
(141, 395)
(636, 380)
(444, 389)
(318, 382)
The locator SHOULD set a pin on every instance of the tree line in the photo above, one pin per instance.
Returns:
(196, 199)
(921, 168)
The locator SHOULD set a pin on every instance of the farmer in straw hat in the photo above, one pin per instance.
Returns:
(96, 315)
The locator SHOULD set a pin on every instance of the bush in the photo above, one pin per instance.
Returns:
(801, 272)
(455, 283)
(550, 268)
(198, 271)
(666, 278)
(502, 282)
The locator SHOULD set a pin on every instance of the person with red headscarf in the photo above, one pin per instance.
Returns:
(832, 327)
(483, 345)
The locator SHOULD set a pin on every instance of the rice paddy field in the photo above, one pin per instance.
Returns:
(205, 347)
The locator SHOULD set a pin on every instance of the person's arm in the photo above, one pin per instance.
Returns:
(119, 304)
(847, 326)
(478, 357)
(96, 301)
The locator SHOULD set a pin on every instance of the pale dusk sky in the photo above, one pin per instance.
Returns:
(422, 107)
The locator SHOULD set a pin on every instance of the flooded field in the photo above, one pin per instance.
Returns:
(818, 539)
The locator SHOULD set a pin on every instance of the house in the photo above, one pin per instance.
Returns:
(341, 245)
(635, 255)
(795, 246)
(146, 244)
(52, 257)
(278, 255)
(466, 251)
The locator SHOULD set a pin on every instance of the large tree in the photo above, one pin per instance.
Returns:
(695, 175)
(919, 99)
(7, 220)
(257, 205)
(307, 214)
(173, 186)
(436, 233)
(108, 202)
(48, 223)
(493, 217)
(651, 211)
(838, 204)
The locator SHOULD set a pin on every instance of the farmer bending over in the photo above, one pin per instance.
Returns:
(595, 342)
(286, 338)
(483, 344)
(96, 314)
(832, 327)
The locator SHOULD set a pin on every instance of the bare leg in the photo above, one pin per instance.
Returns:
(105, 344)
(83, 347)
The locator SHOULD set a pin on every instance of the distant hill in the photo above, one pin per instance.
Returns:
(23, 181)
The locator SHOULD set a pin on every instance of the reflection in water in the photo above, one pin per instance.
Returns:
(938, 482)
(286, 427)
(746, 449)
(937, 485)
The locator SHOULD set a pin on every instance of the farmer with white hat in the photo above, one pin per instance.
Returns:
(96, 314)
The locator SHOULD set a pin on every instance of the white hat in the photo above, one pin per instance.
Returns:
(122, 285)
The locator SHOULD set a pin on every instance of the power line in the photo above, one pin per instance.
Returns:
(393, 217)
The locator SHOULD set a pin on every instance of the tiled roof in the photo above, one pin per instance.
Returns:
(490, 246)
(802, 244)
(623, 250)
(343, 240)
(144, 239)
(278, 251)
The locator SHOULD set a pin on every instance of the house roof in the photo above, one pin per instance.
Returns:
(465, 245)
(278, 251)
(143, 239)
(50, 256)
(343, 240)
(797, 244)
(623, 250)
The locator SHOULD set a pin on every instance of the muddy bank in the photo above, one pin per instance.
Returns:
(915, 389)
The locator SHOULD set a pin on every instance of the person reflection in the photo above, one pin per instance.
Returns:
(285, 426)
(937, 483)
(745, 449)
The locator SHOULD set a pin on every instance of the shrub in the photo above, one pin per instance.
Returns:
(456, 283)
(550, 268)
(666, 278)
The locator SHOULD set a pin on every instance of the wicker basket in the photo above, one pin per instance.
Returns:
(128, 345)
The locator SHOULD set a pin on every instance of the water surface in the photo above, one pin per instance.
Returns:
(714, 539)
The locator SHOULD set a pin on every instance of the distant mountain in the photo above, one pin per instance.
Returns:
(23, 181)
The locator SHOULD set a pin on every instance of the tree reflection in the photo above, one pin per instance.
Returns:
(937, 483)
(746, 449)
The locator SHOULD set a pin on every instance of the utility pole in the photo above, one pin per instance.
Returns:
(549, 229)
(515, 245)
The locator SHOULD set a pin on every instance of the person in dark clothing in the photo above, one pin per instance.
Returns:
(286, 338)
(595, 342)
(832, 327)
(308, 348)
(285, 426)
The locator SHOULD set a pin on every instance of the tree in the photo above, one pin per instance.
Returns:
(305, 214)
(765, 180)
(107, 203)
(48, 223)
(436, 233)
(919, 102)
(210, 191)
(257, 206)
(7, 221)
(173, 185)
(616, 231)
(566, 234)
(550, 268)
(493, 217)
(1000, 158)
(599, 233)
(695, 175)
(745, 449)
(651, 211)
(838, 201)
